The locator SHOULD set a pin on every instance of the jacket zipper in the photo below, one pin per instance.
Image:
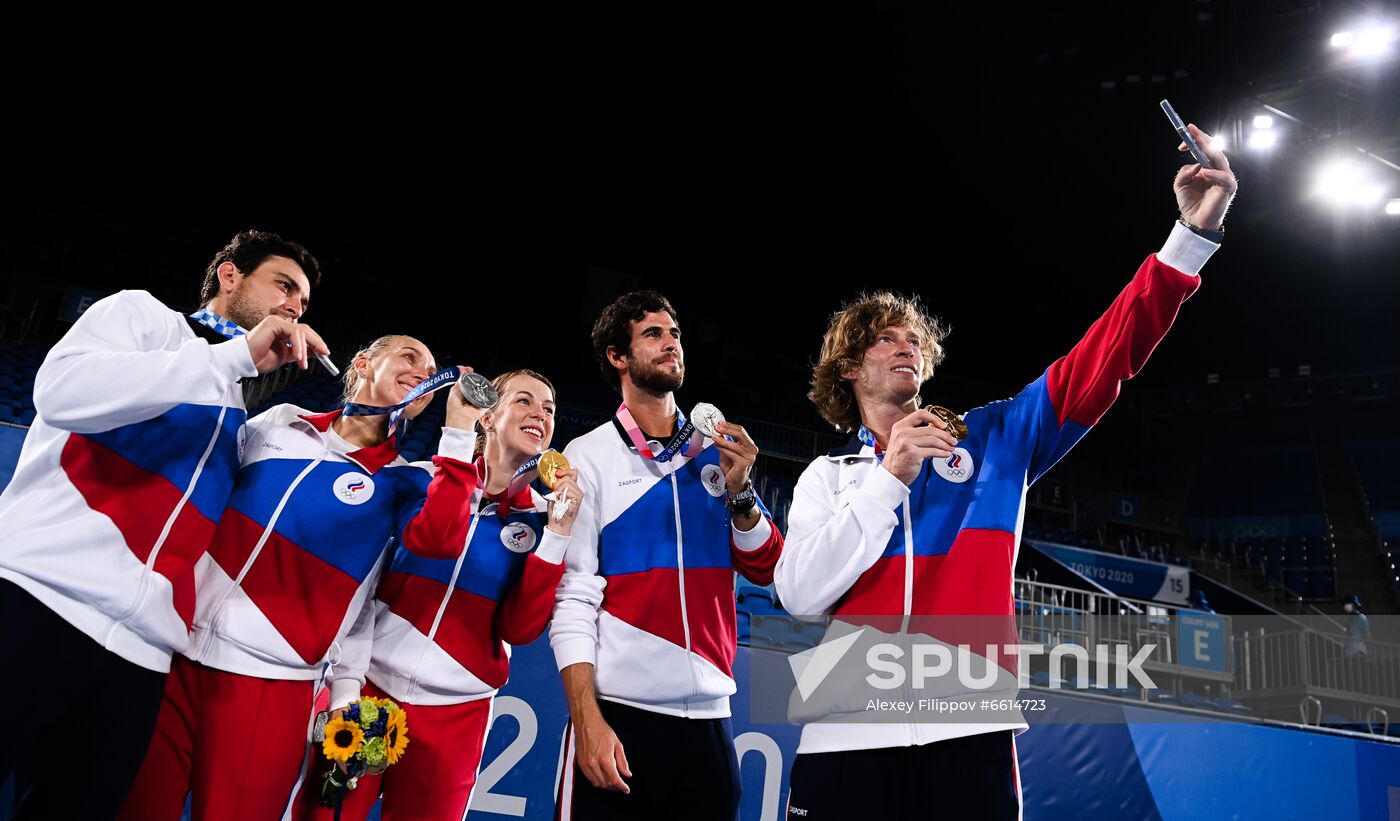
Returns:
(144, 589)
(680, 578)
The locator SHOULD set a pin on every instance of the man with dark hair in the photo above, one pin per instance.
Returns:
(644, 626)
(613, 329)
(249, 249)
(916, 521)
(122, 478)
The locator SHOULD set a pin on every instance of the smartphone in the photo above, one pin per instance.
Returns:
(1196, 153)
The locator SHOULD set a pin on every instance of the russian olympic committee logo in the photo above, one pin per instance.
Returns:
(518, 537)
(713, 480)
(956, 468)
(353, 488)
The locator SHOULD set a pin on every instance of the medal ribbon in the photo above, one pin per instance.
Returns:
(687, 436)
(524, 475)
(516, 494)
(436, 382)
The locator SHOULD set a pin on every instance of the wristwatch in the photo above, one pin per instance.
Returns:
(742, 502)
(1204, 233)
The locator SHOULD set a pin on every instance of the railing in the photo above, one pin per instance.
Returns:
(1259, 662)
(1049, 614)
(1319, 663)
(788, 442)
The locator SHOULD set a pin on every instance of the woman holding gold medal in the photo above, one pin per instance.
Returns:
(443, 628)
(283, 618)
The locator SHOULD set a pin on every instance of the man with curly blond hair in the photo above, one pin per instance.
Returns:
(918, 518)
(854, 330)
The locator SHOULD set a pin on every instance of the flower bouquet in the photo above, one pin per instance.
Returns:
(370, 734)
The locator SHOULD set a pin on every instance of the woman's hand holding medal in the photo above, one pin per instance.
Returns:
(462, 414)
(567, 496)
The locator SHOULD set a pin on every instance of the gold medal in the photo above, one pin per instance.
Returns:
(551, 462)
(955, 425)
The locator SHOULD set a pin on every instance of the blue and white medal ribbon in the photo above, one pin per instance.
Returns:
(438, 381)
(524, 475)
(528, 471)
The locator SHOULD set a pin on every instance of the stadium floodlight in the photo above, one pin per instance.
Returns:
(1262, 121)
(1367, 40)
(1374, 40)
(1261, 140)
(1345, 182)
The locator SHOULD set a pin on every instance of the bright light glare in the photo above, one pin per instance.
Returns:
(1263, 121)
(1393, 208)
(1345, 182)
(1343, 39)
(1263, 140)
(1374, 41)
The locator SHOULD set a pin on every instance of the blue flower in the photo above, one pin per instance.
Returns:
(352, 713)
(378, 728)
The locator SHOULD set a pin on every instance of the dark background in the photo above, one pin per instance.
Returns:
(488, 180)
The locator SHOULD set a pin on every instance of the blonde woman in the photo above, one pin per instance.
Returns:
(443, 628)
(284, 590)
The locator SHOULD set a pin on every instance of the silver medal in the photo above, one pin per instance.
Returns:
(477, 390)
(706, 416)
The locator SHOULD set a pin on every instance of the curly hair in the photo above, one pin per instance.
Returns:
(614, 327)
(850, 333)
(248, 250)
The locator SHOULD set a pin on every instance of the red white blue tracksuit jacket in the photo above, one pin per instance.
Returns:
(861, 543)
(288, 579)
(125, 473)
(443, 628)
(648, 590)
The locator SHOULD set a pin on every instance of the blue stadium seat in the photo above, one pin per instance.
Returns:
(1196, 701)
(1160, 696)
(1230, 705)
(757, 600)
(758, 637)
(1111, 689)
